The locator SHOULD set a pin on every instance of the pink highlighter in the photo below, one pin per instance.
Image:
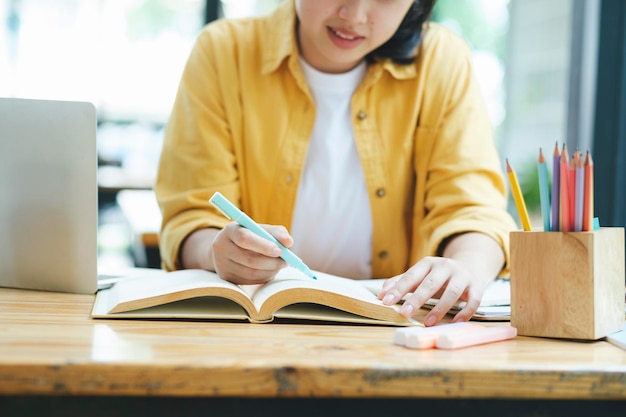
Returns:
(451, 336)
(477, 336)
(426, 337)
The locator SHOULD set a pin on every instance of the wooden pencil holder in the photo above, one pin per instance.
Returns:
(567, 284)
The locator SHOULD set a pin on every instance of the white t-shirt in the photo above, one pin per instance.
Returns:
(332, 223)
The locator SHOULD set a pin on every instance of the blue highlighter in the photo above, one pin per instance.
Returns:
(232, 212)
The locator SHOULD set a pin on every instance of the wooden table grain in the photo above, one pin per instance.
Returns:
(49, 345)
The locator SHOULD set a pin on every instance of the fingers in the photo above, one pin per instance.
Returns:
(242, 257)
(448, 299)
(251, 242)
(244, 275)
(388, 284)
(397, 287)
(435, 277)
(281, 234)
(472, 304)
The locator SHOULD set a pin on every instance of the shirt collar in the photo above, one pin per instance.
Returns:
(281, 38)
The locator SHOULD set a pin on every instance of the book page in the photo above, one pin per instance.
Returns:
(321, 313)
(168, 287)
(213, 308)
(291, 286)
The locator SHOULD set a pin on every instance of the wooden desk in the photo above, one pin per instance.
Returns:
(52, 352)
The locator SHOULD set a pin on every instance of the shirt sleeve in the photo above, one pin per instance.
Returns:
(461, 173)
(197, 158)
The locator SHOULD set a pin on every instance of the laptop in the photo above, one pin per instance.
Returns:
(48, 195)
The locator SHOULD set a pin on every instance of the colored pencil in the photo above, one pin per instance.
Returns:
(580, 193)
(564, 194)
(544, 194)
(518, 197)
(588, 194)
(556, 188)
(572, 190)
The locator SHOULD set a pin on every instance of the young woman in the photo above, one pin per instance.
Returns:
(355, 125)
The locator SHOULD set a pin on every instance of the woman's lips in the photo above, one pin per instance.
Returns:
(344, 38)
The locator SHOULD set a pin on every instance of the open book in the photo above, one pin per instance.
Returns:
(199, 294)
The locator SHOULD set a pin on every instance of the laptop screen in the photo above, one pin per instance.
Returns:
(48, 195)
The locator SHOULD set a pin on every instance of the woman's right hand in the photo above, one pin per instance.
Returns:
(235, 253)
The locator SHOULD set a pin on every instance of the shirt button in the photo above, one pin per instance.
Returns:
(380, 192)
(288, 179)
(361, 115)
(383, 254)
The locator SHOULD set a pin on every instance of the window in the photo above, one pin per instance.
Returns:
(484, 25)
(125, 57)
(534, 74)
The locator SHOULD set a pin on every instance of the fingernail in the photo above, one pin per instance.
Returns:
(389, 298)
(277, 251)
(430, 320)
(406, 310)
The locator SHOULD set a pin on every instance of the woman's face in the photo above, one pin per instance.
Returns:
(335, 35)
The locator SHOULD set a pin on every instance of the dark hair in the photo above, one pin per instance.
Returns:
(402, 46)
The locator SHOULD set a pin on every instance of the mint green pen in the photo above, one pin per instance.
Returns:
(232, 212)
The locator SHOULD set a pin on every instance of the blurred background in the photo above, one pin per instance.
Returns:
(551, 72)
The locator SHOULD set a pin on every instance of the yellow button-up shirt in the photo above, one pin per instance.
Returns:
(242, 120)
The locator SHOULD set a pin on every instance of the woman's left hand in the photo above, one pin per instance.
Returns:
(469, 263)
(435, 277)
